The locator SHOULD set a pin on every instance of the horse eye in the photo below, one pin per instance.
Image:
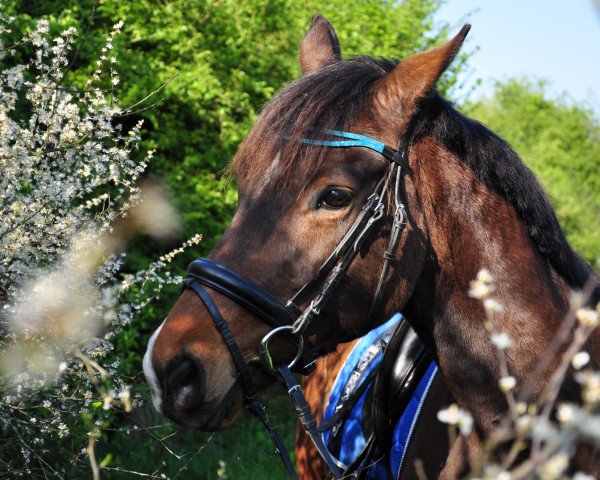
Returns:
(335, 197)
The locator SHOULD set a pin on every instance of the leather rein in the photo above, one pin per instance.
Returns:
(288, 319)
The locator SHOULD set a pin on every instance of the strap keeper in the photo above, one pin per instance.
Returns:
(399, 158)
(249, 399)
(389, 256)
(395, 156)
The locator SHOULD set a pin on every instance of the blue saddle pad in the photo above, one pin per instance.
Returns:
(364, 357)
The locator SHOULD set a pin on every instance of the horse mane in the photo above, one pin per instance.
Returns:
(499, 167)
(331, 98)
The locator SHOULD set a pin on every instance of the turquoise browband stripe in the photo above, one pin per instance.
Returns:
(355, 140)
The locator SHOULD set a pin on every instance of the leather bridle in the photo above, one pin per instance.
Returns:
(289, 319)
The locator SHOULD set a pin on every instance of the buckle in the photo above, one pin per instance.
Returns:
(265, 354)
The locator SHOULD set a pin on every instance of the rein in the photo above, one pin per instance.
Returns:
(289, 320)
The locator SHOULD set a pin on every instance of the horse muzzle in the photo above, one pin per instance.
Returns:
(186, 407)
(179, 392)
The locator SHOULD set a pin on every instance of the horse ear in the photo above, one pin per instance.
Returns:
(415, 77)
(320, 45)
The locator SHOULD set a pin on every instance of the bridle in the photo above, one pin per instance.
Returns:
(288, 319)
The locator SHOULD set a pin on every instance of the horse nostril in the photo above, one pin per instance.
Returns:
(186, 383)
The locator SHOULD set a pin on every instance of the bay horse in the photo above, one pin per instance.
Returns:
(348, 135)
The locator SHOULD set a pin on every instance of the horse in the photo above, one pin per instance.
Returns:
(366, 150)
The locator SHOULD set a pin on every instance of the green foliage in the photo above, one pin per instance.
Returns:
(221, 61)
(560, 141)
(243, 452)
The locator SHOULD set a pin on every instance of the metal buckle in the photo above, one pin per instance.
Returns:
(375, 216)
(264, 347)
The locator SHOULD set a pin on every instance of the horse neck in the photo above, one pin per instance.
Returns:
(469, 227)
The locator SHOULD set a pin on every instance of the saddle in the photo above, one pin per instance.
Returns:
(376, 400)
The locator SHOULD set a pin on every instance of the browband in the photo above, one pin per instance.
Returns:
(357, 140)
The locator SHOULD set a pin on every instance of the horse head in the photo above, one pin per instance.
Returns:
(298, 198)
(363, 192)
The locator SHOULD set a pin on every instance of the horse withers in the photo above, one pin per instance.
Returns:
(366, 149)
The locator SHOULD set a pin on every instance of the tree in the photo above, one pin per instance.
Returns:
(560, 141)
(216, 63)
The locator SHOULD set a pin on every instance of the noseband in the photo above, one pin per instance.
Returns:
(289, 319)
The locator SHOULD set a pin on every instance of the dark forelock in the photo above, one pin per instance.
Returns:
(328, 99)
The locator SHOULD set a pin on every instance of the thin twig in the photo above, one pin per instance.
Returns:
(129, 113)
(132, 472)
(31, 450)
(92, 455)
(152, 434)
(557, 344)
(202, 447)
(126, 110)
(550, 395)
(503, 364)
(81, 43)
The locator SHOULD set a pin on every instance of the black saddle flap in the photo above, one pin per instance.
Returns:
(403, 365)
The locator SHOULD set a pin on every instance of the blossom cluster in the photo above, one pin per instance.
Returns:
(547, 431)
(70, 193)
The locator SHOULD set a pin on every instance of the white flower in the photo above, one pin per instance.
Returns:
(553, 468)
(494, 472)
(580, 359)
(124, 396)
(484, 276)
(564, 413)
(524, 424)
(492, 305)
(582, 476)
(106, 401)
(590, 381)
(585, 424)
(454, 415)
(62, 430)
(588, 317)
(63, 154)
(482, 286)
(576, 300)
(507, 383)
(479, 290)
(502, 340)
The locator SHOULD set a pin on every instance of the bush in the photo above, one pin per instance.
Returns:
(70, 201)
